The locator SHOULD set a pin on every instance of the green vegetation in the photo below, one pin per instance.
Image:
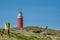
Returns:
(30, 33)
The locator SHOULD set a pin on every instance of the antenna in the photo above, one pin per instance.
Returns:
(19, 10)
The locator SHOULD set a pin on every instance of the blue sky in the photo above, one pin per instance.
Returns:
(35, 12)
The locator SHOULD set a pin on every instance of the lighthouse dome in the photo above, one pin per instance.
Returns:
(19, 14)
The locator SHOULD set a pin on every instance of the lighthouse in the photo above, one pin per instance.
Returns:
(7, 27)
(19, 20)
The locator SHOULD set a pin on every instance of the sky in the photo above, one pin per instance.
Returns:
(40, 13)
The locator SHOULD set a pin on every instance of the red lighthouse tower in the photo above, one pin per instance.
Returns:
(19, 20)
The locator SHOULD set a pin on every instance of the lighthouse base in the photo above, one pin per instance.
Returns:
(6, 31)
